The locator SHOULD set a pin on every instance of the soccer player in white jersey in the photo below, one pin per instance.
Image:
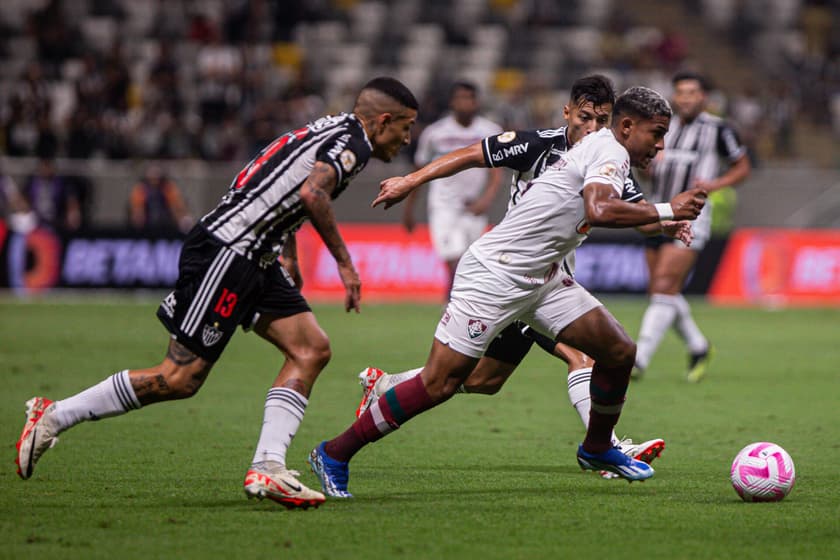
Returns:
(528, 153)
(694, 147)
(229, 276)
(514, 272)
(458, 205)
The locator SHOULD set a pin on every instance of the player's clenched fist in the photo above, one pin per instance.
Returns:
(688, 204)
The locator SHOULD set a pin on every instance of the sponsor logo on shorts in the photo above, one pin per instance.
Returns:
(476, 328)
(445, 319)
(168, 305)
(211, 334)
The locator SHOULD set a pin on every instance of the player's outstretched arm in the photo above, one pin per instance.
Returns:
(603, 207)
(315, 197)
(395, 189)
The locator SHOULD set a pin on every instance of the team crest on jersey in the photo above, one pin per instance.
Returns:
(348, 160)
(476, 328)
(211, 334)
(506, 137)
(607, 170)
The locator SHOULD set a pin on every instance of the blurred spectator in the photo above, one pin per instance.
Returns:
(156, 204)
(82, 134)
(13, 208)
(781, 112)
(747, 114)
(52, 198)
(671, 49)
(57, 40)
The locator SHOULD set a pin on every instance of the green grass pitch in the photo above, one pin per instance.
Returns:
(480, 477)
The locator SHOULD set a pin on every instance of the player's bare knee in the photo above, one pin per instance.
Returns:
(666, 285)
(624, 353)
(185, 381)
(620, 353)
(484, 386)
(313, 356)
(169, 381)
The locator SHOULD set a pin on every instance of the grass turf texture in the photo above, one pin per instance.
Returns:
(481, 477)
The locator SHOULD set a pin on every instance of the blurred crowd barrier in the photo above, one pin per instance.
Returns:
(753, 266)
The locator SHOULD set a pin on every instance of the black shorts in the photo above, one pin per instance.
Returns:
(657, 241)
(511, 345)
(217, 290)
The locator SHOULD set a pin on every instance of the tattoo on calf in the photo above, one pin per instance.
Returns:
(149, 385)
(298, 386)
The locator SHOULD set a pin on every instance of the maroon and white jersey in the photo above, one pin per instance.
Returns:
(263, 206)
(547, 222)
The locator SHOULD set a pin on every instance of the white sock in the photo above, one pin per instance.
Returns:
(111, 397)
(688, 329)
(657, 320)
(392, 379)
(284, 410)
(579, 395)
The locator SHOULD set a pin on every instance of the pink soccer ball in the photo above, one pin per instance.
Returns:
(762, 472)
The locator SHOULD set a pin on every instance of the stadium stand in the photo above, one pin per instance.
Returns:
(215, 81)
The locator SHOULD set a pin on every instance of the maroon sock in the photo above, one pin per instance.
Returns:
(398, 405)
(607, 389)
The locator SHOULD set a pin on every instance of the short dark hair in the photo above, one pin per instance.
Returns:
(462, 84)
(689, 75)
(596, 89)
(394, 89)
(641, 102)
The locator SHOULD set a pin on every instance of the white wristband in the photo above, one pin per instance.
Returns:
(664, 210)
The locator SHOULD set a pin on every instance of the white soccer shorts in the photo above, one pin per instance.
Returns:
(483, 303)
(453, 231)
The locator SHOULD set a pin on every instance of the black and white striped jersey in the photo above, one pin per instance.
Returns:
(692, 152)
(527, 152)
(263, 206)
(530, 152)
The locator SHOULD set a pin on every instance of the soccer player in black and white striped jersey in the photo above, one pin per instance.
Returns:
(694, 147)
(229, 276)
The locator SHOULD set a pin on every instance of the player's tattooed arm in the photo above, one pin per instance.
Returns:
(314, 195)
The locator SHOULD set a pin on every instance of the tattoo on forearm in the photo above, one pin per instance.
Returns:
(179, 354)
(318, 185)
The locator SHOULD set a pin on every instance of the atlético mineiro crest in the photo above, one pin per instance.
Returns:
(476, 328)
(211, 334)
